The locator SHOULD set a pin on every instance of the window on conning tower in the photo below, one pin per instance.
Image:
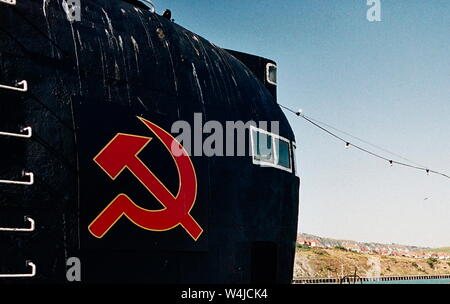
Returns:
(271, 73)
(270, 150)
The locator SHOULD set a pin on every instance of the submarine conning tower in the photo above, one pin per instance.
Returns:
(77, 81)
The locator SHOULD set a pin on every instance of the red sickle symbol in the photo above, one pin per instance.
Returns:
(122, 153)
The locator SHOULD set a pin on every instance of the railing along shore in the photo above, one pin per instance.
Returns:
(368, 279)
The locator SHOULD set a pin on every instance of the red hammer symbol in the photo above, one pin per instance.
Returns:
(122, 153)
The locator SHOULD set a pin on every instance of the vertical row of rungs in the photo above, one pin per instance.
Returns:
(26, 132)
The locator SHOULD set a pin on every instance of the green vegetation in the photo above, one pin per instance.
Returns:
(320, 252)
(415, 265)
(328, 268)
(431, 261)
(340, 248)
(302, 247)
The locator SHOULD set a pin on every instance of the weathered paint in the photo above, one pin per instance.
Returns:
(88, 80)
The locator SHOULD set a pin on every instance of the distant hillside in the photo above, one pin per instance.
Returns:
(370, 246)
(444, 249)
(334, 262)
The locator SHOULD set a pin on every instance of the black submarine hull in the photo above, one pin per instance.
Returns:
(107, 74)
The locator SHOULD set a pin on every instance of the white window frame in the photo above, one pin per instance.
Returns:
(294, 158)
(263, 163)
(268, 66)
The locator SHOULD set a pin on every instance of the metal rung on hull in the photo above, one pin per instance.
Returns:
(27, 219)
(25, 183)
(21, 86)
(28, 134)
(22, 275)
(10, 2)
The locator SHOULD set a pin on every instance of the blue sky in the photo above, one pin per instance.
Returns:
(387, 82)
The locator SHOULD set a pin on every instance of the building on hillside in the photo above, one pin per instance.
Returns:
(310, 242)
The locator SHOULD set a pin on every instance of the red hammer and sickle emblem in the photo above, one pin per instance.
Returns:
(122, 153)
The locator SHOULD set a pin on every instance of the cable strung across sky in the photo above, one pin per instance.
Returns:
(319, 124)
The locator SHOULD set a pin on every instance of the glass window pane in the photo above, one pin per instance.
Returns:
(262, 145)
(284, 158)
